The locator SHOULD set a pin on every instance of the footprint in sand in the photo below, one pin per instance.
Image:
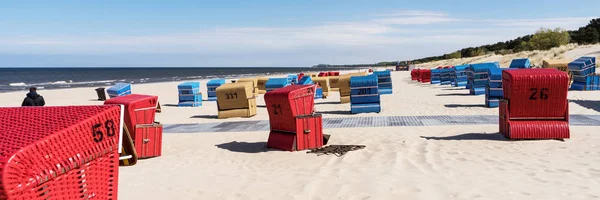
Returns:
(515, 163)
(583, 164)
(583, 187)
(591, 196)
(530, 174)
(564, 170)
(410, 190)
(540, 180)
(594, 170)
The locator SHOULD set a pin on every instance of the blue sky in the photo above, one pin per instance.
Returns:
(264, 33)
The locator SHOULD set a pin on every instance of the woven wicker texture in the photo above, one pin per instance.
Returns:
(591, 58)
(215, 83)
(243, 112)
(364, 89)
(447, 74)
(188, 88)
(261, 84)
(344, 99)
(582, 63)
(425, 76)
(561, 65)
(414, 74)
(312, 75)
(460, 67)
(536, 93)
(139, 109)
(119, 89)
(495, 74)
(333, 82)
(436, 74)
(66, 153)
(287, 103)
(254, 82)
(276, 83)
(530, 129)
(295, 100)
(582, 67)
(300, 76)
(364, 81)
(235, 95)
(477, 75)
(520, 63)
(460, 75)
(211, 88)
(189, 95)
(324, 83)
(292, 78)
(148, 140)
(482, 67)
(344, 83)
(307, 133)
(305, 80)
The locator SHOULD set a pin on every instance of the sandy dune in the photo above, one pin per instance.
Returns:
(569, 52)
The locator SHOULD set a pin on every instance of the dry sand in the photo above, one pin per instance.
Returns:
(434, 162)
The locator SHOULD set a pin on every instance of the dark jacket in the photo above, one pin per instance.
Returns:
(33, 99)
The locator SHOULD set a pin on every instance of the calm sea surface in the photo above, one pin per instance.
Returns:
(14, 79)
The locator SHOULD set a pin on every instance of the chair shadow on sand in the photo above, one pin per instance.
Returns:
(594, 105)
(245, 147)
(328, 103)
(454, 94)
(464, 106)
(470, 136)
(336, 112)
(455, 89)
(205, 116)
(170, 105)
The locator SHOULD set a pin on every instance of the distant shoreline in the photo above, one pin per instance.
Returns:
(16, 80)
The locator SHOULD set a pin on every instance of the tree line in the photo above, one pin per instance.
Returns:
(544, 39)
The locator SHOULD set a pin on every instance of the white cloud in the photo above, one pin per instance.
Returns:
(226, 39)
(384, 38)
(566, 23)
(414, 17)
(415, 13)
(415, 20)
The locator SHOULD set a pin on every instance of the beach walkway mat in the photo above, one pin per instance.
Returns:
(367, 121)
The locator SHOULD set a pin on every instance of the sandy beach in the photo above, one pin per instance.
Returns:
(403, 162)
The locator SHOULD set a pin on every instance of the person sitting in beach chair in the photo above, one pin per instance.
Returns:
(33, 98)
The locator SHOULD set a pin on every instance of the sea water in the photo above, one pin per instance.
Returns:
(15, 79)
